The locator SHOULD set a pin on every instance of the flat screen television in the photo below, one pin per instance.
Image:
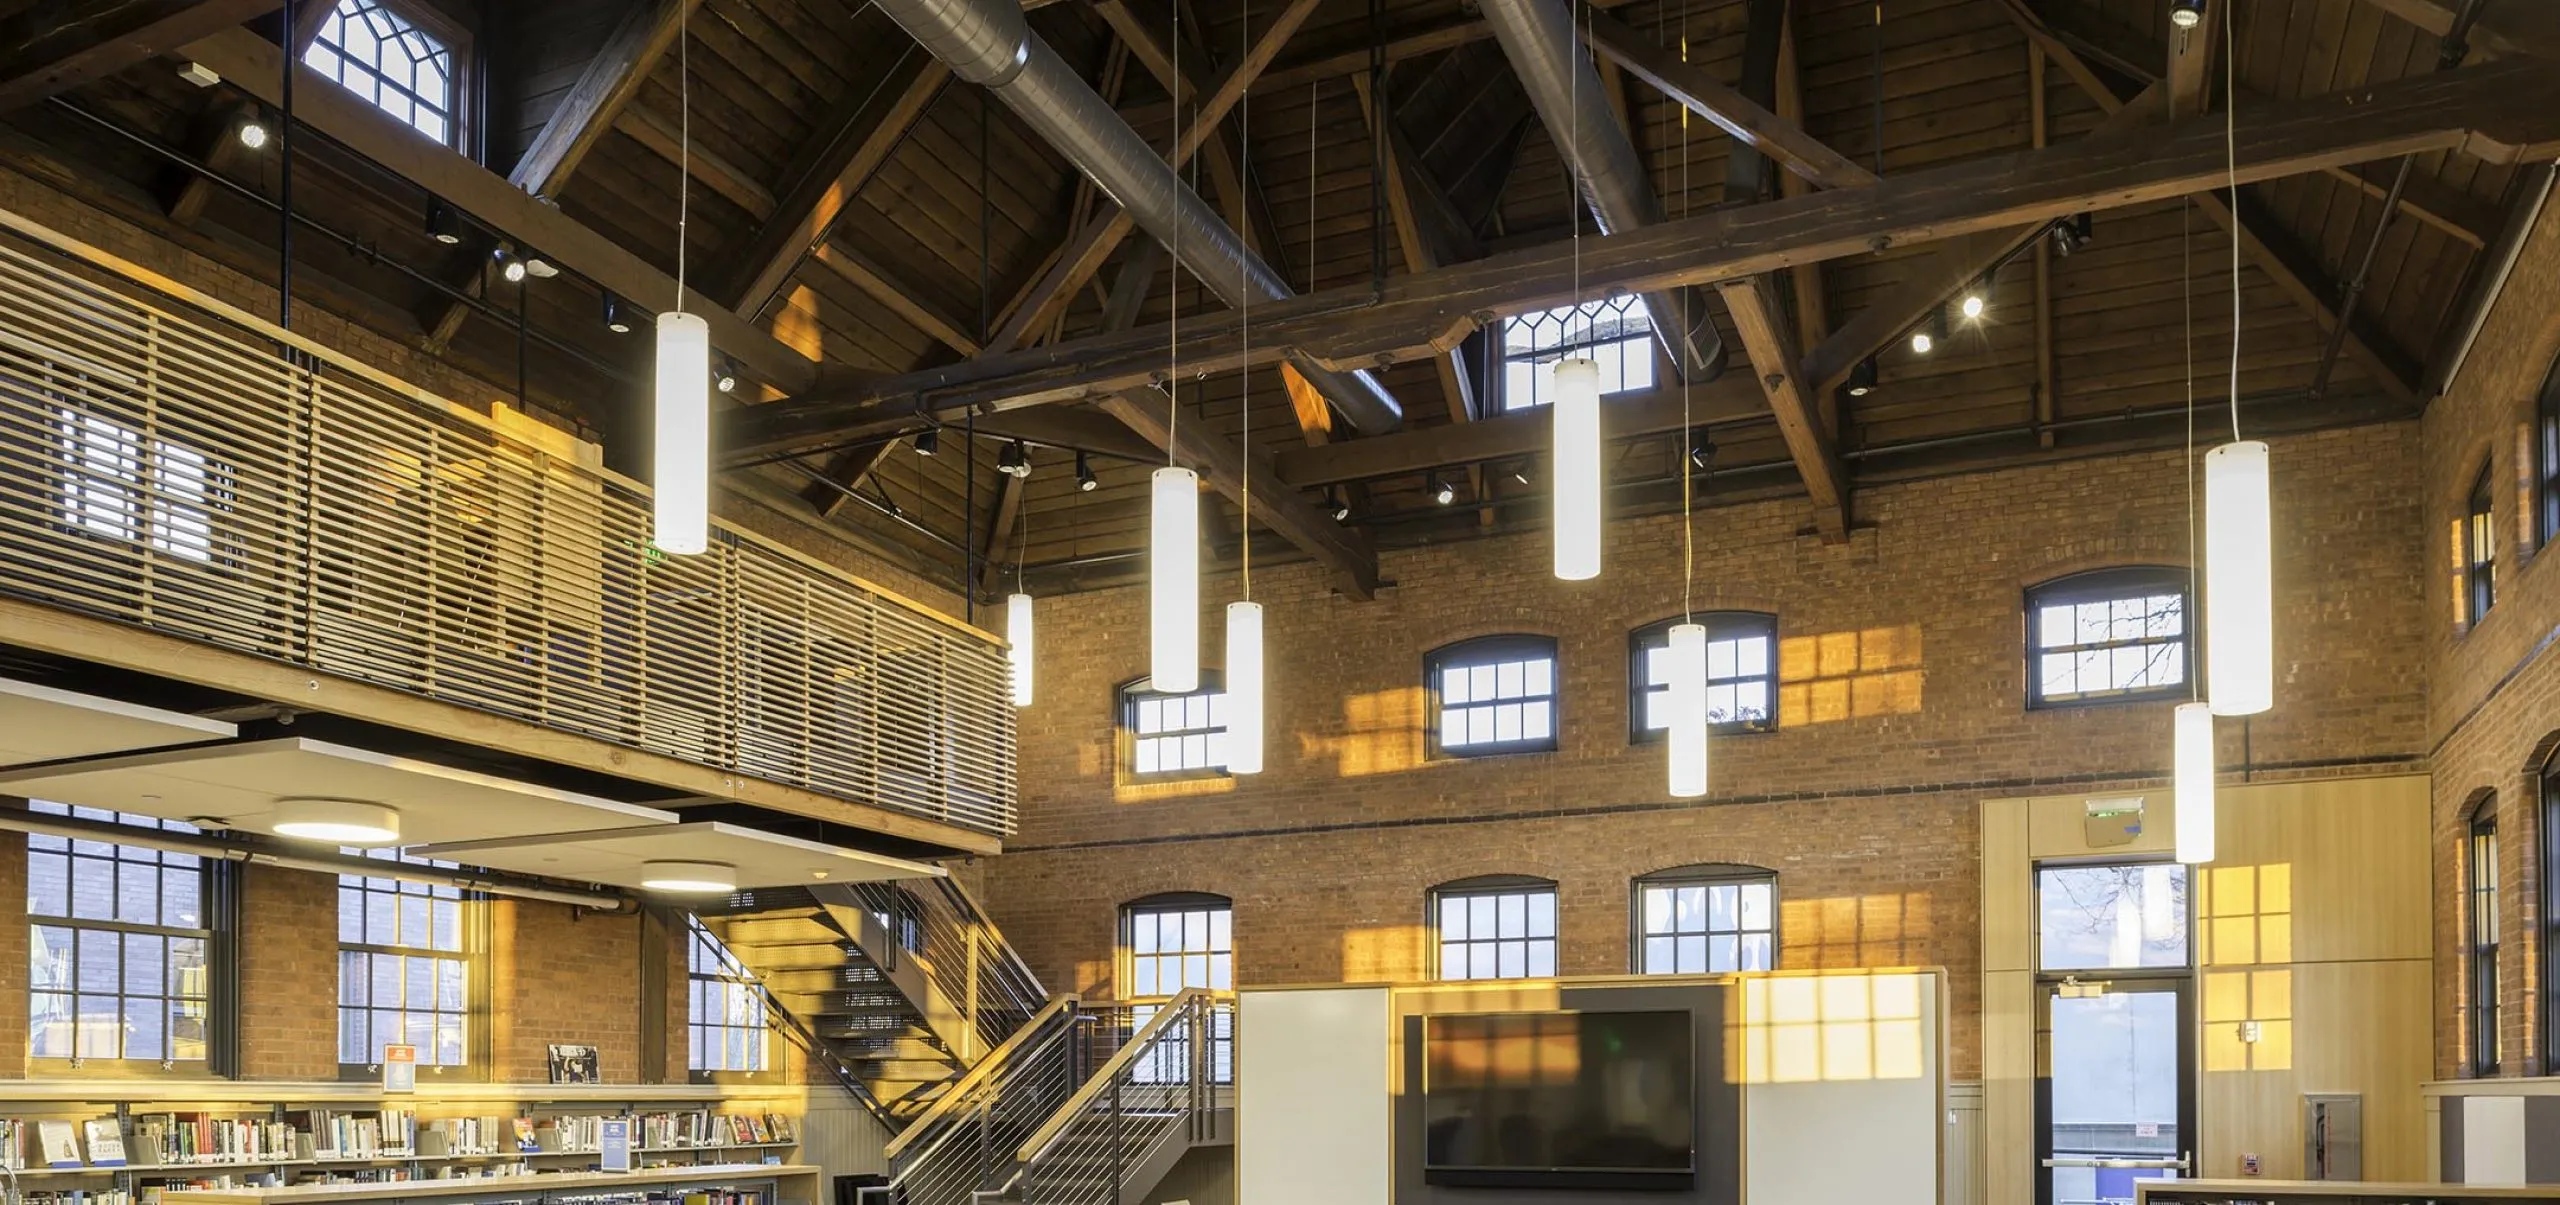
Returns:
(1589, 1100)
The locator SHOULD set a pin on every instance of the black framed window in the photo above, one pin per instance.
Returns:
(382, 53)
(1175, 736)
(2546, 461)
(1706, 920)
(1616, 333)
(1495, 927)
(2550, 983)
(1170, 942)
(1496, 694)
(1742, 674)
(407, 961)
(2482, 883)
(2110, 635)
(726, 1029)
(121, 949)
(2479, 550)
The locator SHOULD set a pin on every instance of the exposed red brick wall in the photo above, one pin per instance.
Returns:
(13, 954)
(1902, 705)
(558, 975)
(2495, 700)
(288, 974)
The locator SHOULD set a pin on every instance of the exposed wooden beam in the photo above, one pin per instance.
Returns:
(1749, 122)
(834, 174)
(217, 147)
(256, 65)
(1414, 247)
(845, 472)
(51, 48)
(1810, 443)
(1000, 523)
(1071, 427)
(1813, 309)
(2500, 112)
(1341, 550)
(2039, 134)
(861, 273)
(2261, 242)
(715, 170)
(2191, 58)
(308, 18)
(647, 30)
(1727, 400)
(2530, 27)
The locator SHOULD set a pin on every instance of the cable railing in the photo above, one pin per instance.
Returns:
(968, 1143)
(962, 954)
(170, 462)
(1156, 1097)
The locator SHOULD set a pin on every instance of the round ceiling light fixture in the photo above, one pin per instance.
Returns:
(336, 821)
(692, 878)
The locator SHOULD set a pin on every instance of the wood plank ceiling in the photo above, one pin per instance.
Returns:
(879, 219)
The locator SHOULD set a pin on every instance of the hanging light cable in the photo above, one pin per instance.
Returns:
(2239, 552)
(1687, 696)
(1173, 555)
(1576, 490)
(1244, 616)
(2191, 726)
(681, 489)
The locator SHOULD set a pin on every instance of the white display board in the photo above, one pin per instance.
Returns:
(1314, 1119)
(1843, 1098)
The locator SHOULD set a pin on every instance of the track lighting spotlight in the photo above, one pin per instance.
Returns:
(1702, 453)
(929, 442)
(442, 226)
(2186, 14)
(1335, 506)
(1862, 379)
(2071, 234)
(617, 316)
(1520, 473)
(1014, 461)
(724, 374)
(1973, 305)
(253, 134)
(1084, 473)
(1932, 332)
(1441, 491)
(510, 266)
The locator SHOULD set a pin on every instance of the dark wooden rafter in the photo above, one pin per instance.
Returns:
(1406, 178)
(2262, 243)
(2192, 53)
(49, 49)
(2526, 27)
(257, 66)
(1727, 400)
(217, 147)
(1810, 443)
(308, 18)
(1813, 310)
(2098, 41)
(1090, 247)
(2048, 373)
(2499, 112)
(828, 177)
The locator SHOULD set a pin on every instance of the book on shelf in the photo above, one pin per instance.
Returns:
(13, 1144)
(448, 1136)
(338, 1134)
(525, 1138)
(76, 1196)
(181, 1139)
(57, 1146)
(106, 1142)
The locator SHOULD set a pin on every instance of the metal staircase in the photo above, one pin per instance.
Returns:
(905, 985)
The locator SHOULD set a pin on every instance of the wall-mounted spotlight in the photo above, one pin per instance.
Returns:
(1015, 460)
(1335, 506)
(442, 225)
(1862, 379)
(929, 442)
(617, 314)
(2186, 14)
(1084, 473)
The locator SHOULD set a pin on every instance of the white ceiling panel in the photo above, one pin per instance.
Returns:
(237, 786)
(40, 723)
(615, 856)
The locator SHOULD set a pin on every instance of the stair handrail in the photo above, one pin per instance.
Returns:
(986, 1069)
(1181, 1010)
(978, 914)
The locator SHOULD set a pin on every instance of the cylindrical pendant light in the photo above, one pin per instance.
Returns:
(682, 490)
(2193, 743)
(2239, 588)
(1577, 469)
(1244, 688)
(1017, 632)
(1687, 731)
(1173, 579)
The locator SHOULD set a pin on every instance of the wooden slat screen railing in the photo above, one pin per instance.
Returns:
(198, 473)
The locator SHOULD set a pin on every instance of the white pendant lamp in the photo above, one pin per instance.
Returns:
(2239, 590)
(2193, 743)
(683, 487)
(1244, 688)
(1173, 582)
(1017, 632)
(681, 491)
(1577, 469)
(1687, 731)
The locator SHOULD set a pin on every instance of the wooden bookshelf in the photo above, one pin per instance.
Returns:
(791, 1184)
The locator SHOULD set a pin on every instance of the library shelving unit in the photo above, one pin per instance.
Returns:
(132, 1142)
(703, 1184)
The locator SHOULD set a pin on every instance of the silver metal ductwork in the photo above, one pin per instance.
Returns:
(1547, 54)
(988, 43)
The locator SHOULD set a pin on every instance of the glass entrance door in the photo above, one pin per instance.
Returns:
(2112, 1090)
